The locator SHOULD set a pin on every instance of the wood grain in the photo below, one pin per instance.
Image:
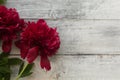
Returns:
(67, 9)
(90, 38)
(87, 36)
(78, 68)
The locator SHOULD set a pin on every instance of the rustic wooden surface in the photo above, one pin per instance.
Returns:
(90, 37)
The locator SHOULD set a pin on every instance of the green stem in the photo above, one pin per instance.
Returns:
(17, 78)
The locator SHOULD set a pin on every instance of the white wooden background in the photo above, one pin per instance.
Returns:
(90, 37)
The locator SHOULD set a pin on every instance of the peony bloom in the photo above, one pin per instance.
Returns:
(38, 39)
(10, 24)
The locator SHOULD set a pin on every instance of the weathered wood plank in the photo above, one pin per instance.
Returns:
(87, 36)
(59, 9)
(79, 68)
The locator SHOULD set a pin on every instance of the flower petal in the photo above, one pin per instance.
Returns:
(23, 53)
(41, 21)
(32, 54)
(23, 48)
(45, 63)
(6, 45)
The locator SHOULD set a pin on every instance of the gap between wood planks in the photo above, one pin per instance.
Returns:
(68, 18)
(77, 54)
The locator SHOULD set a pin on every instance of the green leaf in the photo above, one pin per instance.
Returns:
(14, 61)
(2, 1)
(7, 76)
(4, 55)
(4, 69)
(3, 61)
(26, 74)
(27, 70)
(21, 67)
(1, 76)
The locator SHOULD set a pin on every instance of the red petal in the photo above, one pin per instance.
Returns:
(19, 44)
(45, 63)
(23, 53)
(41, 21)
(23, 48)
(6, 45)
(32, 54)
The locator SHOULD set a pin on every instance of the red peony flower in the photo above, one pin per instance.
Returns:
(10, 24)
(38, 39)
